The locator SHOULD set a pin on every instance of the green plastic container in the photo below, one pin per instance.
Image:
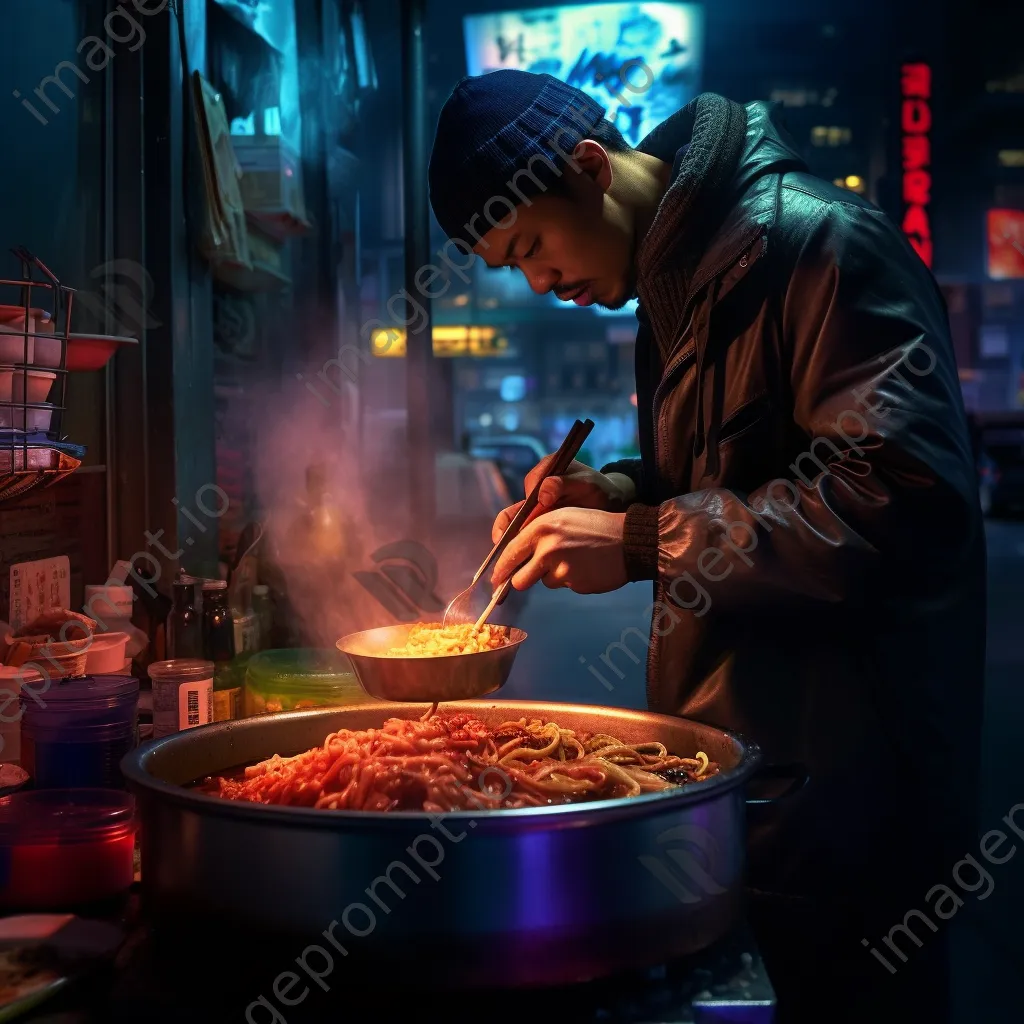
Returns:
(290, 680)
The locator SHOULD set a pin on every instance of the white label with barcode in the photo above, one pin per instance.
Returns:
(195, 704)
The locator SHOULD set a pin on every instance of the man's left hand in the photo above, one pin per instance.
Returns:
(578, 548)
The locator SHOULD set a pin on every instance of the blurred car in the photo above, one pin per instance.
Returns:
(469, 489)
(514, 454)
(999, 452)
(470, 492)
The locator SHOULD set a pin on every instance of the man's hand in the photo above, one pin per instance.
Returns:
(579, 548)
(579, 487)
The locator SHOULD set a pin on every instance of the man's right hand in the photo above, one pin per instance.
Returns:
(579, 487)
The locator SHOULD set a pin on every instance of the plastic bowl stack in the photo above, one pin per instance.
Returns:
(26, 385)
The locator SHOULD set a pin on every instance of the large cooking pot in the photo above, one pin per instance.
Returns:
(536, 896)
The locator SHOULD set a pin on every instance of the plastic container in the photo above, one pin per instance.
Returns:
(108, 604)
(105, 655)
(111, 606)
(61, 849)
(38, 420)
(182, 694)
(39, 384)
(12, 335)
(12, 390)
(76, 733)
(290, 680)
(48, 348)
(11, 682)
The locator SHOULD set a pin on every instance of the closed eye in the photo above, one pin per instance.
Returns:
(532, 251)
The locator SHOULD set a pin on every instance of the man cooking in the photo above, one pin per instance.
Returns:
(805, 501)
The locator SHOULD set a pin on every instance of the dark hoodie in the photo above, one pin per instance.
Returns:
(808, 510)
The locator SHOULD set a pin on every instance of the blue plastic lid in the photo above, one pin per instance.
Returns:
(88, 688)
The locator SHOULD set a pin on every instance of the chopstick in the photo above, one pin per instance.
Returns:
(496, 598)
(568, 451)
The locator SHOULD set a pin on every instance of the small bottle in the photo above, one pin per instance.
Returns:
(244, 618)
(184, 625)
(264, 610)
(219, 647)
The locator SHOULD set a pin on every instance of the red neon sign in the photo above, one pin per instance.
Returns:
(915, 124)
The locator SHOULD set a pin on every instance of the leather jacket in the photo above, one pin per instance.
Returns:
(808, 511)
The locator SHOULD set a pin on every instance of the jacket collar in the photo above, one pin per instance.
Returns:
(751, 208)
(705, 141)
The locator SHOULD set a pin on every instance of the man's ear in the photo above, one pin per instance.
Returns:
(594, 162)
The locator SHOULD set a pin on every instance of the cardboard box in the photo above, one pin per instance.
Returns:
(271, 175)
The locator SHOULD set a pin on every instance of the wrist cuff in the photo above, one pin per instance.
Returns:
(640, 542)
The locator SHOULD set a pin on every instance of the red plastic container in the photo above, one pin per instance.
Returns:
(64, 848)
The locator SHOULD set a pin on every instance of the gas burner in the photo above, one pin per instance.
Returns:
(724, 984)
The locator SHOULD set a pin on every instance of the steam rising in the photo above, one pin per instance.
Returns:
(349, 563)
(312, 548)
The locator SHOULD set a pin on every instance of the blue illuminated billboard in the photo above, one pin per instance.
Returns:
(642, 61)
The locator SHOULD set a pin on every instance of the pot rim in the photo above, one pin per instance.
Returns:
(136, 774)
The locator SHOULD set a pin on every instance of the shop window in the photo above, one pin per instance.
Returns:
(830, 135)
(804, 97)
(1012, 83)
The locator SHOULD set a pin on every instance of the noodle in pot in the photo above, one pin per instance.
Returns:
(452, 762)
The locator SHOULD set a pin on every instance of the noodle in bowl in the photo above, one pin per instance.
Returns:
(434, 640)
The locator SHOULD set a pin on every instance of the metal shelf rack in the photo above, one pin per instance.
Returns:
(31, 457)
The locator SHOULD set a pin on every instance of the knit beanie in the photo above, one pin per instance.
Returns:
(503, 138)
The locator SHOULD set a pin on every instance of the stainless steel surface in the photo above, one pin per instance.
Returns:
(451, 677)
(537, 896)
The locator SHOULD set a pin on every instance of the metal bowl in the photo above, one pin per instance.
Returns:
(443, 678)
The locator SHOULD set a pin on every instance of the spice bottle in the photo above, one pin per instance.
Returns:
(184, 625)
(219, 647)
(261, 605)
